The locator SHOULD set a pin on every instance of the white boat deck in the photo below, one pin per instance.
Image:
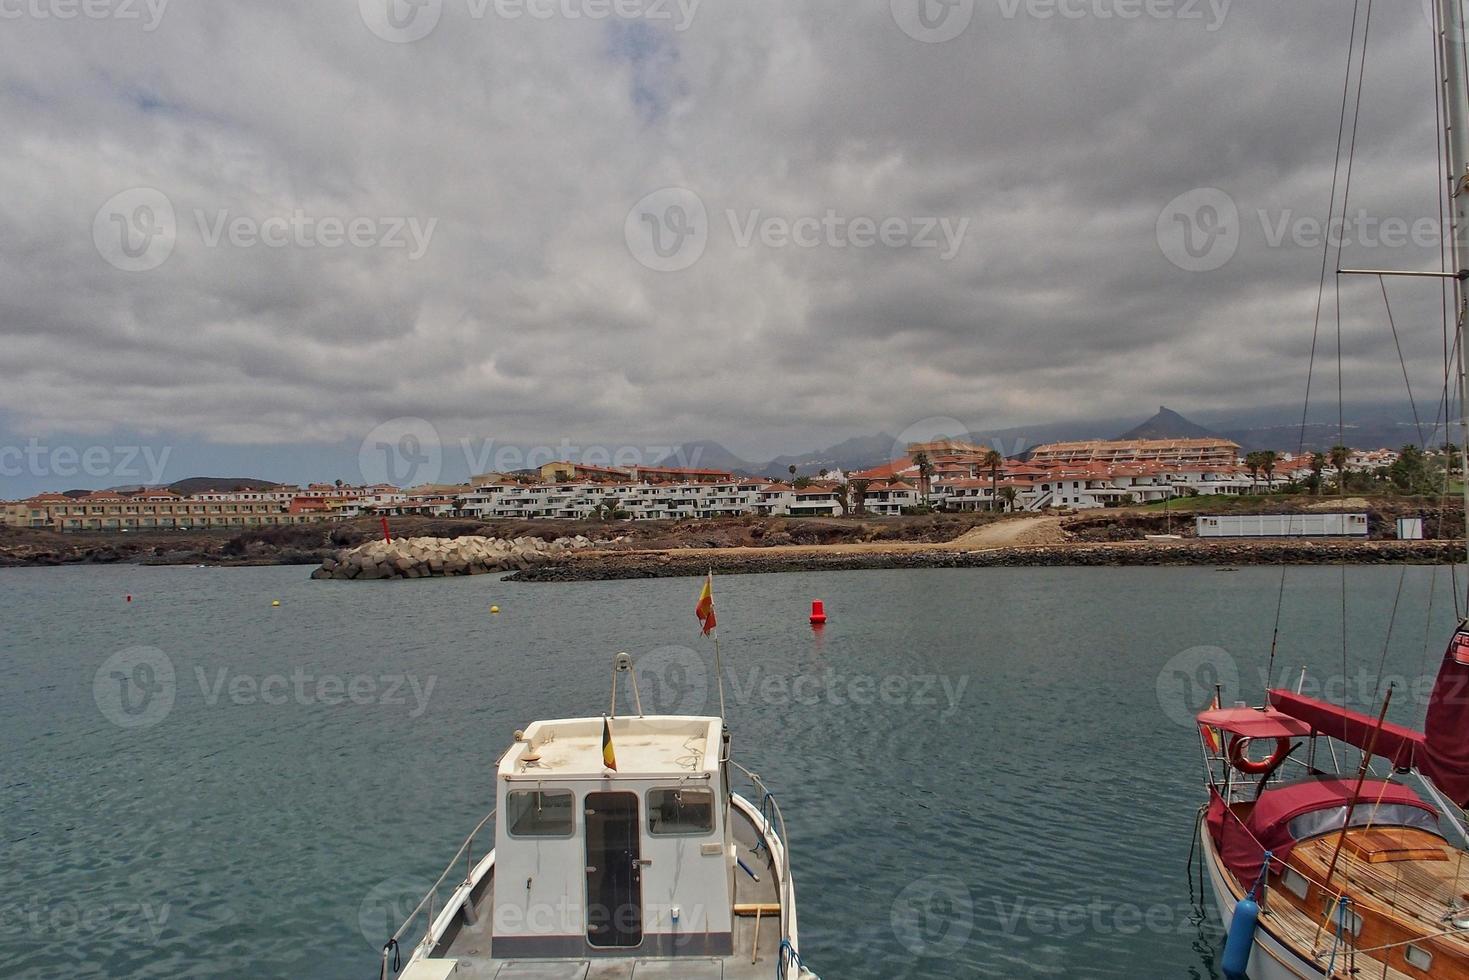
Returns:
(754, 958)
(643, 745)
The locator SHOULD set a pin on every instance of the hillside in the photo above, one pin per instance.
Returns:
(1168, 424)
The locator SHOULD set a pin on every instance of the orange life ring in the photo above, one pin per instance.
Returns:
(1244, 763)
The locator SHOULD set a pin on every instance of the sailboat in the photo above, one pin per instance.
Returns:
(622, 851)
(1321, 871)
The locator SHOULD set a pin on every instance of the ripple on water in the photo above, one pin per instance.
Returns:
(1012, 824)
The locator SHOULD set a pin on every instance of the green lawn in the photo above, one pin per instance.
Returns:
(1215, 502)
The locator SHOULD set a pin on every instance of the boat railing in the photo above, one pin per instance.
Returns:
(428, 907)
(1239, 787)
(764, 799)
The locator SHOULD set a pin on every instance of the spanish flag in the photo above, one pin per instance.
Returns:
(609, 757)
(705, 609)
(1211, 735)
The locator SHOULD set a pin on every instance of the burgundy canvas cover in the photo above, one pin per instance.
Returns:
(1445, 754)
(1242, 846)
(1254, 722)
(1400, 746)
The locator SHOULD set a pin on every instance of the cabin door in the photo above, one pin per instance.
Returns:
(614, 870)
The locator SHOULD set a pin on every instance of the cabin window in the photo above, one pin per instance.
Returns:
(1339, 917)
(673, 812)
(540, 813)
(1419, 958)
(1296, 882)
(1326, 821)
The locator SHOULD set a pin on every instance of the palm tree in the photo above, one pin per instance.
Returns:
(994, 460)
(791, 470)
(1339, 456)
(1318, 465)
(1252, 463)
(823, 472)
(859, 495)
(925, 470)
(1268, 460)
(1008, 495)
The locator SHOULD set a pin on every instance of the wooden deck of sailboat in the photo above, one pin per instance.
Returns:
(1416, 894)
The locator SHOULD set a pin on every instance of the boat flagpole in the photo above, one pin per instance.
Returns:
(1453, 51)
(710, 623)
(718, 661)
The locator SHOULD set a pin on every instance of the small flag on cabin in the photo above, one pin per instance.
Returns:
(609, 757)
(1211, 735)
(705, 609)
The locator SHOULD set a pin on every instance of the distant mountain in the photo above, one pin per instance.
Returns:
(703, 454)
(1321, 436)
(1362, 426)
(1168, 424)
(852, 454)
(858, 453)
(219, 484)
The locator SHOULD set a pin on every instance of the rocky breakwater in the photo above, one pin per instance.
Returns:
(427, 557)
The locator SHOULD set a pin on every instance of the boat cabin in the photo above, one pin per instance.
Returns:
(592, 861)
(622, 851)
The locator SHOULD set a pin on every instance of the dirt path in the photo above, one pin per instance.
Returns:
(1016, 532)
(1019, 532)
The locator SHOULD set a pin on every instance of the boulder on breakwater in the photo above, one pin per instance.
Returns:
(427, 557)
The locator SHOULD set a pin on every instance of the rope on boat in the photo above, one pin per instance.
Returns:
(391, 946)
(787, 959)
(1338, 940)
(1259, 885)
(1193, 849)
(769, 817)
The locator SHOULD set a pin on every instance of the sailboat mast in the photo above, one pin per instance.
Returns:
(1452, 46)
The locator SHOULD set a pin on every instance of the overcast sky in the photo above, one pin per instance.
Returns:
(630, 222)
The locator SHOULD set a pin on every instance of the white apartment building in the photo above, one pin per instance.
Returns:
(1092, 487)
(639, 501)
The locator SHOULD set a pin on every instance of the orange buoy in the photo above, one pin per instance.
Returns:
(818, 612)
(130, 598)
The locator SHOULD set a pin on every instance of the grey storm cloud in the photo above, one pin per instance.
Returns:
(510, 147)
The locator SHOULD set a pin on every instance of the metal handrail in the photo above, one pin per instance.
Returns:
(784, 868)
(428, 900)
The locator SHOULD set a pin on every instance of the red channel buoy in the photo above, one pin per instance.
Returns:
(818, 612)
(130, 598)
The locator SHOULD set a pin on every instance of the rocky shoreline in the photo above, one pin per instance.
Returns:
(600, 566)
(433, 557)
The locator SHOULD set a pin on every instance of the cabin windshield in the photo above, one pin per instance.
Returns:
(1319, 822)
(540, 813)
(679, 812)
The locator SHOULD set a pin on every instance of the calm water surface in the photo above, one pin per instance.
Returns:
(984, 772)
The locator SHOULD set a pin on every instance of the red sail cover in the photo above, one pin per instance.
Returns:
(1243, 840)
(1401, 746)
(1445, 755)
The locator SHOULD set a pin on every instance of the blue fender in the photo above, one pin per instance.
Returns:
(1241, 939)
